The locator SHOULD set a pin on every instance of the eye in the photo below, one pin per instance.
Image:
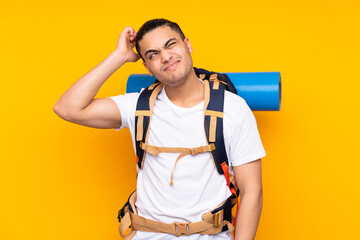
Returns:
(171, 44)
(152, 55)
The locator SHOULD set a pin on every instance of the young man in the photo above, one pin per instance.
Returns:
(177, 121)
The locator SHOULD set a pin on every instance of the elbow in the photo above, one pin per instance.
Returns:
(56, 109)
(61, 112)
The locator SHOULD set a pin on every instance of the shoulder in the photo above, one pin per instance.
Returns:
(232, 98)
(240, 131)
(237, 114)
(235, 107)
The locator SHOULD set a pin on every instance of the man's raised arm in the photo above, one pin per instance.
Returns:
(78, 105)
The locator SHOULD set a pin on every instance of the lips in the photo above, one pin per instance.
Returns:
(172, 65)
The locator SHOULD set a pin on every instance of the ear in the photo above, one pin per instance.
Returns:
(188, 44)
(147, 68)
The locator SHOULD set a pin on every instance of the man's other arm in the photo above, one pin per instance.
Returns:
(78, 104)
(249, 180)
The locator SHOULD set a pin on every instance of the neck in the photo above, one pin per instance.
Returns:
(187, 94)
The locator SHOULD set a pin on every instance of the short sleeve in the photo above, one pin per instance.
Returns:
(127, 107)
(244, 143)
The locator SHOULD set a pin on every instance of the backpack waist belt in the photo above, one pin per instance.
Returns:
(214, 221)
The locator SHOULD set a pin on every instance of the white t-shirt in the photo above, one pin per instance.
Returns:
(197, 186)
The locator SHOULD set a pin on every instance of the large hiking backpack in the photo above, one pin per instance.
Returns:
(216, 220)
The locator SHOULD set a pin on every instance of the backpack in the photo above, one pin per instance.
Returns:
(216, 220)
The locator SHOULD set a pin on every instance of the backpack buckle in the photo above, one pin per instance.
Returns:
(218, 218)
(181, 228)
(195, 151)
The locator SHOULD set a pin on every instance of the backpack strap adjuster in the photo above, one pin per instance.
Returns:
(218, 218)
(194, 151)
(181, 228)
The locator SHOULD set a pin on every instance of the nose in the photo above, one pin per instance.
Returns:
(165, 56)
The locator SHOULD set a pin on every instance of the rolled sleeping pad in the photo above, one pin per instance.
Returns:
(261, 90)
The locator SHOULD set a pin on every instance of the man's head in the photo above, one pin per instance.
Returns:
(165, 51)
(153, 24)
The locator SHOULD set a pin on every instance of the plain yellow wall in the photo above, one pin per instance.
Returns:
(65, 181)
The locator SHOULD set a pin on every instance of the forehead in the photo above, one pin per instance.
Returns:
(157, 38)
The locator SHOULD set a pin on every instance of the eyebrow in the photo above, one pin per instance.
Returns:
(165, 45)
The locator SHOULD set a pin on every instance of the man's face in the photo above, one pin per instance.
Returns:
(166, 55)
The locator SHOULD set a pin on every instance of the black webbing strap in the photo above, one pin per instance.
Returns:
(216, 103)
(143, 104)
(215, 107)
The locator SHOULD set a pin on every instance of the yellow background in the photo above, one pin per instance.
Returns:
(60, 180)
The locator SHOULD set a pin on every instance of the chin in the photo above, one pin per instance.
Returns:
(176, 77)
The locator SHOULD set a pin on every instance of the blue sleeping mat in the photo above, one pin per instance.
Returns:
(261, 90)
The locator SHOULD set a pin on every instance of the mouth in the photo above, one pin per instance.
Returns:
(171, 65)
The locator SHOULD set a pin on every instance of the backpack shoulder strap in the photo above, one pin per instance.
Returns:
(213, 123)
(144, 108)
(215, 86)
(213, 120)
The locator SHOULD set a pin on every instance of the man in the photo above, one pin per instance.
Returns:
(177, 121)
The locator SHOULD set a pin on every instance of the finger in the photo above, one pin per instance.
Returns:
(133, 36)
(127, 28)
(127, 31)
(132, 31)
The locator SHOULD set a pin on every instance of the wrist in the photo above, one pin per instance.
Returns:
(118, 58)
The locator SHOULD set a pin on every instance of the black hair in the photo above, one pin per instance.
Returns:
(153, 24)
